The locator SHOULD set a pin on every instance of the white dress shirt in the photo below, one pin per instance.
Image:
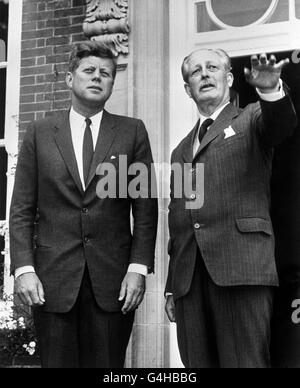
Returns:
(77, 125)
(214, 116)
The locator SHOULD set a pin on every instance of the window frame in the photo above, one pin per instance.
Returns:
(268, 13)
(11, 128)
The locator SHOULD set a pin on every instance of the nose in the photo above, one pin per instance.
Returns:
(97, 75)
(204, 73)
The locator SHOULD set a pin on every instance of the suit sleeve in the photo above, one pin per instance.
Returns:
(275, 121)
(24, 204)
(145, 207)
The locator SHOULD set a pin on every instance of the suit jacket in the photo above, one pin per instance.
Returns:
(74, 226)
(233, 229)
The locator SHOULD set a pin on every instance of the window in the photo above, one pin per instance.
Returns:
(213, 15)
(297, 9)
(3, 154)
(239, 13)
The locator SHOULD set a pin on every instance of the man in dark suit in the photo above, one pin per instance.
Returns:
(222, 271)
(86, 274)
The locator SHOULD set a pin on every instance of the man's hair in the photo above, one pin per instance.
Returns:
(222, 54)
(88, 49)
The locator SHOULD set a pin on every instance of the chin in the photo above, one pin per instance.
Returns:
(95, 98)
(208, 97)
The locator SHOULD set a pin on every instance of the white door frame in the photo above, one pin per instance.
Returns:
(184, 39)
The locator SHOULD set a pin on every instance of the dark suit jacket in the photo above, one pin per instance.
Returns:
(76, 227)
(285, 212)
(235, 234)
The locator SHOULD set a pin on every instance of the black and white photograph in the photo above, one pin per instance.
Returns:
(149, 187)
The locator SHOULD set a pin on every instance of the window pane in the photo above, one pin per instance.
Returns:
(3, 29)
(204, 23)
(297, 8)
(281, 13)
(3, 170)
(2, 101)
(2, 51)
(239, 13)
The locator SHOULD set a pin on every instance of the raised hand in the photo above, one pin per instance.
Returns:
(265, 74)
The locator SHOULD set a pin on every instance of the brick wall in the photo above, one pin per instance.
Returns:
(48, 30)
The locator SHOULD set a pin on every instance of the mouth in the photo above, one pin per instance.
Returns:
(94, 87)
(207, 87)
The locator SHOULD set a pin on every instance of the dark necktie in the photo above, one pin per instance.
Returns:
(203, 129)
(87, 150)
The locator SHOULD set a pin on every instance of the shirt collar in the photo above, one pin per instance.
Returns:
(96, 119)
(215, 115)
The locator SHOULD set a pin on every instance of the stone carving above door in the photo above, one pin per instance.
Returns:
(107, 21)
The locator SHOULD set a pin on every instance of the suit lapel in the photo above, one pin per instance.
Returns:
(63, 139)
(223, 121)
(188, 144)
(107, 134)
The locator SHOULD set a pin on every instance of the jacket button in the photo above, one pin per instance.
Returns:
(85, 210)
(197, 226)
(86, 240)
(193, 197)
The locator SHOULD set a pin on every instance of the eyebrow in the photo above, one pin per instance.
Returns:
(91, 66)
(210, 62)
(88, 66)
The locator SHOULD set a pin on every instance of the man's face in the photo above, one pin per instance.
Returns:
(92, 82)
(209, 81)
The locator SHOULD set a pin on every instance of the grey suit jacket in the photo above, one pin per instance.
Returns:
(74, 226)
(233, 229)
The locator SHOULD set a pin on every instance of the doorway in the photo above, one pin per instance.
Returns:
(285, 213)
(285, 183)
(290, 75)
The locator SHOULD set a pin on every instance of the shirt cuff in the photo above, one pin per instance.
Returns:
(271, 97)
(138, 268)
(22, 270)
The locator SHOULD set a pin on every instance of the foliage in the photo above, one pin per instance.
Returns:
(17, 333)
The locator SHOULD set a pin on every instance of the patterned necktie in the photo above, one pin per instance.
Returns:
(87, 150)
(203, 129)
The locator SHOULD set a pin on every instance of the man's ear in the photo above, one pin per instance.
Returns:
(188, 90)
(230, 79)
(69, 79)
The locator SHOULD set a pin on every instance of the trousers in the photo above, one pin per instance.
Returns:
(224, 327)
(85, 337)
